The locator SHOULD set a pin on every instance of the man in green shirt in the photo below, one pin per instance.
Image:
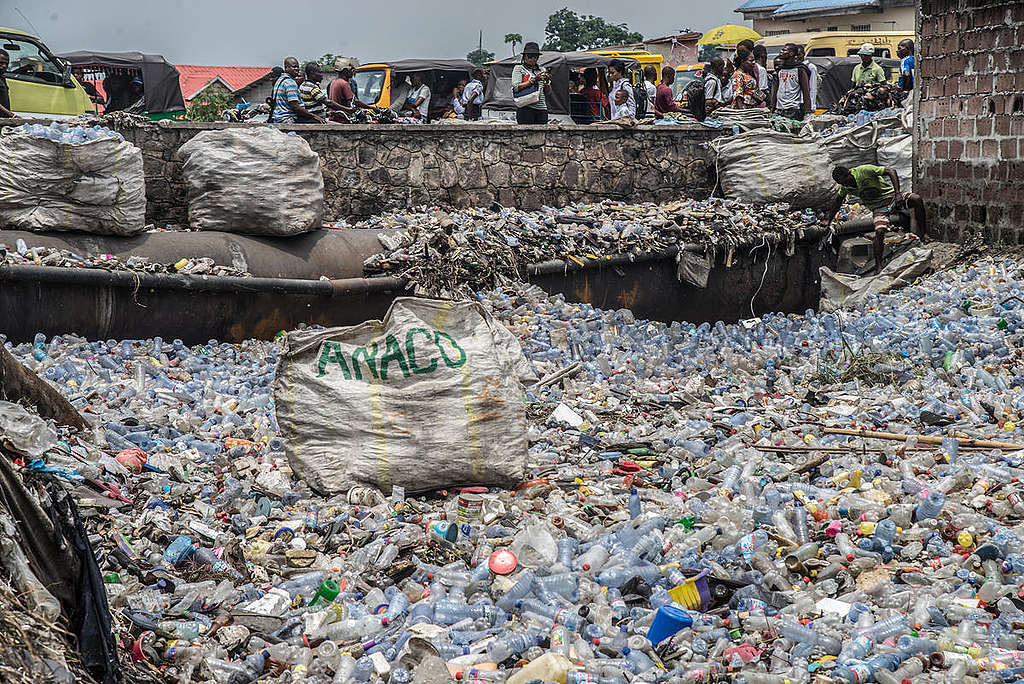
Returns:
(878, 189)
(868, 71)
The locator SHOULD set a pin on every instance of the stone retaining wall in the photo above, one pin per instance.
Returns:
(369, 169)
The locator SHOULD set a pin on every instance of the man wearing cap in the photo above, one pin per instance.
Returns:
(868, 71)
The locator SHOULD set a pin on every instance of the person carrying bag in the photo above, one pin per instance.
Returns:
(529, 83)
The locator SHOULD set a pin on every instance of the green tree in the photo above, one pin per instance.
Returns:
(567, 31)
(326, 61)
(479, 56)
(513, 39)
(210, 104)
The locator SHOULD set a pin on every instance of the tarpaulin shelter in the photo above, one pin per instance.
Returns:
(498, 95)
(408, 66)
(159, 77)
(836, 74)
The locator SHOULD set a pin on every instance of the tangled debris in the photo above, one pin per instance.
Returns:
(444, 253)
(872, 97)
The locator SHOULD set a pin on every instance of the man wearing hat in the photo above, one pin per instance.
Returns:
(868, 71)
(528, 74)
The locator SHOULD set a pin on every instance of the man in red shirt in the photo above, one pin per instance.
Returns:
(663, 100)
(340, 91)
(595, 97)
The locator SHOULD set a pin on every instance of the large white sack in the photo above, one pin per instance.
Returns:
(852, 147)
(97, 186)
(430, 397)
(767, 166)
(848, 291)
(258, 181)
(897, 152)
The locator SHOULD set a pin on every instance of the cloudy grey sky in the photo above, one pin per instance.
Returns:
(255, 32)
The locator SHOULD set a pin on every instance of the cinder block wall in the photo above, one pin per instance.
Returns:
(970, 124)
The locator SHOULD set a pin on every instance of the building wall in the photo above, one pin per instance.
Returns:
(970, 124)
(674, 55)
(890, 19)
(370, 169)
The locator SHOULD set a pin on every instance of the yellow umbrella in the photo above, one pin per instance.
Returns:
(728, 34)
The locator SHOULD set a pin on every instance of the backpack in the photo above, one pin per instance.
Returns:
(695, 98)
(640, 97)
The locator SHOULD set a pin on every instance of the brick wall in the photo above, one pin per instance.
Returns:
(970, 124)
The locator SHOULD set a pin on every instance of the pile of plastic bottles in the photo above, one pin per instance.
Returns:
(64, 133)
(21, 254)
(690, 514)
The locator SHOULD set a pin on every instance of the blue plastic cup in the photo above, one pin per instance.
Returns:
(667, 621)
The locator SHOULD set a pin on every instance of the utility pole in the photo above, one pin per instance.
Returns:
(481, 45)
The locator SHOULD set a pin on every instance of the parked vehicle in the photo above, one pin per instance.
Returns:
(40, 84)
(644, 57)
(498, 103)
(132, 82)
(374, 83)
(837, 43)
(685, 75)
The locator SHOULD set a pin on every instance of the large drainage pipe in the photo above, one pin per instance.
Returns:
(101, 304)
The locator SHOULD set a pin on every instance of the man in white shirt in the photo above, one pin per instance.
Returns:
(813, 78)
(761, 60)
(473, 95)
(713, 97)
(418, 101)
(650, 76)
(620, 95)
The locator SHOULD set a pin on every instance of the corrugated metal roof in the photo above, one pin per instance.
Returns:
(812, 5)
(194, 77)
(759, 4)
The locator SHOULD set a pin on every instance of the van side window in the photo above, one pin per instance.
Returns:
(31, 62)
(822, 52)
(879, 52)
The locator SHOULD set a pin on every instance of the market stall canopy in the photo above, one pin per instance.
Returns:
(728, 34)
(498, 94)
(159, 77)
(836, 74)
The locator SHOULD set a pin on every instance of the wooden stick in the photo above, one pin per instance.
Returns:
(925, 439)
(836, 449)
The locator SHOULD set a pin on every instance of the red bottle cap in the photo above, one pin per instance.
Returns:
(502, 562)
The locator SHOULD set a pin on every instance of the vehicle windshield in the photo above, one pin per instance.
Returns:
(683, 79)
(368, 84)
(31, 62)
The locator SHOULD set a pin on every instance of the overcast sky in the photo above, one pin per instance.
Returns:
(259, 32)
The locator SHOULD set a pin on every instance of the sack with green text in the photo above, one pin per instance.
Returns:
(430, 397)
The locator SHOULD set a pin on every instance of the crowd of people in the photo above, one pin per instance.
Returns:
(788, 91)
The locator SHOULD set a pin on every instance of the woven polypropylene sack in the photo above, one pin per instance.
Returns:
(852, 147)
(93, 187)
(428, 398)
(258, 181)
(897, 152)
(766, 166)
